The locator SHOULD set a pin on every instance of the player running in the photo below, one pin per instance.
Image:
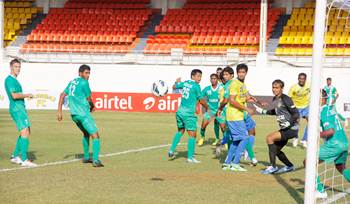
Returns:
(212, 95)
(80, 105)
(300, 94)
(19, 115)
(287, 117)
(186, 118)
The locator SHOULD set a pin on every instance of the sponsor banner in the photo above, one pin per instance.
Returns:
(136, 102)
(43, 99)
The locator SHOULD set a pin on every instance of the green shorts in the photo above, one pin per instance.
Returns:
(330, 155)
(220, 119)
(85, 123)
(21, 119)
(187, 122)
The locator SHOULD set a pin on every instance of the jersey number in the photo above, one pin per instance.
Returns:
(186, 93)
(71, 89)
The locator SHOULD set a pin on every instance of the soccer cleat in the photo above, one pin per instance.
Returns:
(28, 163)
(237, 168)
(304, 143)
(16, 160)
(216, 142)
(171, 155)
(285, 169)
(193, 161)
(97, 163)
(200, 142)
(86, 161)
(270, 170)
(254, 162)
(226, 166)
(321, 195)
(218, 151)
(295, 142)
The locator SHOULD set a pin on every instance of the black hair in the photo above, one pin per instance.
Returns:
(14, 61)
(278, 81)
(330, 79)
(324, 94)
(302, 74)
(241, 66)
(214, 75)
(84, 67)
(195, 71)
(219, 69)
(222, 77)
(229, 70)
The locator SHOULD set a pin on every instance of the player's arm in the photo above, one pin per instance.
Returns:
(178, 84)
(291, 107)
(327, 133)
(204, 103)
(87, 92)
(17, 96)
(336, 96)
(60, 103)
(91, 103)
(263, 111)
(253, 99)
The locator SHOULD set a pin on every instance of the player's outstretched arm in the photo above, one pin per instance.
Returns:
(17, 96)
(60, 103)
(263, 111)
(237, 105)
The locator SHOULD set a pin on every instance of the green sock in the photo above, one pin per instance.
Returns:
(86, 141)
(191, 145)
(176, 140)
(217, 130)
(202, 132)
(346, 174)
(95, 149)
(319, 185)
(24, 147)
(250, 151)
(17, 147)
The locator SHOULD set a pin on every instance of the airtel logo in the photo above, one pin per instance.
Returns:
(149, 103)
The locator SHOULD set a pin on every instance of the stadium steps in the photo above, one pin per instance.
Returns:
(148, 29)
(272, 44)
(22, 37)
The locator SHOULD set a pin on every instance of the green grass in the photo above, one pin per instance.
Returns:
(143, 177)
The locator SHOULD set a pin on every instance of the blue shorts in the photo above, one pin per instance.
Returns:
(238, 130)
(304, 112)
(249, 122)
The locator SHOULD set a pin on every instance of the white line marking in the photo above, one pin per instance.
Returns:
(75, 160)
(337, 196)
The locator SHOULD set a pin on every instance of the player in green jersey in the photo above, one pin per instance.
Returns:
(19, 115)
(218, 72)
(212, 95)
(186, 114)
(80, 105)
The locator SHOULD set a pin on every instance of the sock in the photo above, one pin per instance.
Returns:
(202, 132)
(231, 152)
(281, 156)
(346, 174)
(305, 134)
(191, 145)
(225, 138)
(319, 185)
(176, 140)
(86, 141)
(240, 149)
(95, 149)
(272, 154)
(17, 150)
(24, 147)
(217, 130)
(250, 151)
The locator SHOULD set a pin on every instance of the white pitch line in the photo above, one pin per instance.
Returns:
(75, 160)
(337, 197)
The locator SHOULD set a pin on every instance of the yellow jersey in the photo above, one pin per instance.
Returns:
(300, 95)
(239, 90)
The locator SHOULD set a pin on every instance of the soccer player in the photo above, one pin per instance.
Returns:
(80, 105)
(218, 72)
(235, 118)
(19, 115)
(287, 116)
(212, 94)
(335, 146)
(185, 116)
(300, 94)
(332, 92)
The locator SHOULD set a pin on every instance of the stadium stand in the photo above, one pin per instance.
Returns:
(17, 15)
(103, 26)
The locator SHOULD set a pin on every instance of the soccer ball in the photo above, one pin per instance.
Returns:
(159, 88)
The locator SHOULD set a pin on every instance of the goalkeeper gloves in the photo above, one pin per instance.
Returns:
(260, 110)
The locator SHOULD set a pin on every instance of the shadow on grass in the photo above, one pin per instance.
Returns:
(31, 155)
(291, 190)
(76, 156)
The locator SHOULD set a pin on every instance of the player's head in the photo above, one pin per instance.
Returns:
(15, 66)
(302, 79)
(228, 73)
(222, 78)
(84, 71)
(218, 71)
(214, 79)
(241, 70)
(324, 97)
(277, 87)
(329, 81)
(196, 75)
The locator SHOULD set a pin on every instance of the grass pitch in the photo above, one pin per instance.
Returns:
(144, 176)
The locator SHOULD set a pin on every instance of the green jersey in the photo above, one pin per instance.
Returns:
(329, 120)
(78, 90)
(213, 97)
(331, 93)
(226, 89)
(191, 93)
(13, 86)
